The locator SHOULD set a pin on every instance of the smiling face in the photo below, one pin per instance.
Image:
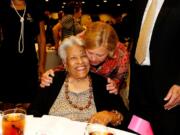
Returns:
(97, 56)
(77, 63)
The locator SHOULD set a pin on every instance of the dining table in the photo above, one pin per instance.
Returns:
(56, 125)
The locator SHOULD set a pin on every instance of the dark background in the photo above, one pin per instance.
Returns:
(90, 6)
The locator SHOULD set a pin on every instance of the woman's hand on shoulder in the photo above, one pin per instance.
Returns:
(47, 78)
(112, 86)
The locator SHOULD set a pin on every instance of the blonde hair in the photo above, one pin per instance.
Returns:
(86, 20)
(101, 34)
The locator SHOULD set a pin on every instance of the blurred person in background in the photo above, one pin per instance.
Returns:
(86, 21)
(50, 20)
(123, 26)
(68, 25)
(22, 25)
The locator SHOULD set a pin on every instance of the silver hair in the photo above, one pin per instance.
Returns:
(68, 42)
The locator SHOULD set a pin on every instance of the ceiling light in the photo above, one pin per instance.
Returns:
(118, 5)
(97, 5)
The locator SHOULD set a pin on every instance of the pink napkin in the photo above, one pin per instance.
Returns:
(140, 126)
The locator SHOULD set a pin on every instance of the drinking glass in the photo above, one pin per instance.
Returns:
(13, 121)
(97, 129)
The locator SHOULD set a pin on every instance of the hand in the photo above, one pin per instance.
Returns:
(103, 117)
(47, 78)
(112, 86)
(173, 97)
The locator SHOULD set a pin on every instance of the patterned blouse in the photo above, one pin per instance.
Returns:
(70, 26)
(61, 106)
(115, 68)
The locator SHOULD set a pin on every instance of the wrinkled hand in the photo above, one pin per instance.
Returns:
(112, 86)
(47, 78)
(173, 97)
(103, 117)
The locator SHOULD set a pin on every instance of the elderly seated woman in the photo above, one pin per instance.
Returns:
(78, 94)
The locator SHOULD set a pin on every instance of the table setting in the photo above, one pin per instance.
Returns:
(16, 122)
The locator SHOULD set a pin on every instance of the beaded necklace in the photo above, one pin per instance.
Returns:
(21, 36)
(75, 105)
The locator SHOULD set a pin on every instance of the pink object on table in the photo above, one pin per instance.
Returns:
(140, 126)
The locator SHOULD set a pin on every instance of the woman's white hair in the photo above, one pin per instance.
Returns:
(68, 42)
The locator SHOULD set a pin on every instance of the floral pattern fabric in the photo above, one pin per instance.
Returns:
(117, 67)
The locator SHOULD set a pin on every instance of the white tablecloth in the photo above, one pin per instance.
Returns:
(52, 125)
